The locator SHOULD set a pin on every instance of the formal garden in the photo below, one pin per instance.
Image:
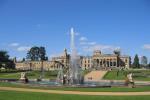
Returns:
(14, 74)
(138, 74)
(34, 89)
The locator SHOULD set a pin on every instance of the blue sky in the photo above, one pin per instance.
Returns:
(100, 24)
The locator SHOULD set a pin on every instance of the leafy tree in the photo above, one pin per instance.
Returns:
(4, 56)
(136, 62)
(33, 54)
(42, 53)
(5, 61)
(37, 53)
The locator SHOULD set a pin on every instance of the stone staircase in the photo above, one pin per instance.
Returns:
(94, 76)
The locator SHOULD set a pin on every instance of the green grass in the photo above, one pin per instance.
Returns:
(140, 75)
(32, 74)
(10, 75)
(13, 95)
(112, 89)
(112, 75)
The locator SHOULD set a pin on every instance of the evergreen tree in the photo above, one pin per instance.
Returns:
(136, 62)
(23, 59)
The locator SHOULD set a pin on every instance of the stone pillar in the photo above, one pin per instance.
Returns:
(116, 63)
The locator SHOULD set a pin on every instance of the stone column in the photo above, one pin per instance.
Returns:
(116, 63)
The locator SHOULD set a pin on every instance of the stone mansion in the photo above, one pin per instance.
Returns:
(97, 61)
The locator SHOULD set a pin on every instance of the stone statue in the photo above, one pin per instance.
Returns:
(129, 80)
(23, 77)
(23, 74)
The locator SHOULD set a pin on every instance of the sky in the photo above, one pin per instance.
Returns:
(106, 25)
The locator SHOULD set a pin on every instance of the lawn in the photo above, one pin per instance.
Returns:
(141, 75)
(112, 89)
(30, 74)
(13, 95)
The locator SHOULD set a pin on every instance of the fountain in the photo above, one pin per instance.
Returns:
(75, 70)
(73, 74)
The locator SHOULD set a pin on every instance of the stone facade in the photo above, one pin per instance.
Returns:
(110, 60)
(97, 61)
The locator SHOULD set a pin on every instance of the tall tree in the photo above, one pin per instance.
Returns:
(144, 61)
(23, 59)
(136, 62)
(5, 61)
(36, 54)
(42, 53)
(4, 56)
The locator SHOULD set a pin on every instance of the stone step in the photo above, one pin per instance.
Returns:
(95, 75)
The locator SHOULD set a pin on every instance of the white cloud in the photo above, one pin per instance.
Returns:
(14, 44)
(23, 48)
(87, 43)
(146, 46)
(100, 47)
(83, 43)
(83, 39)
(92, 43)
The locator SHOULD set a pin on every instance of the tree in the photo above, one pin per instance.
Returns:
(37, 54)
(33, 54)
(42, 54)
(136, 62)
(148, 66)
(144, 61)
(23, 59)
(5, 62)
(4, 56)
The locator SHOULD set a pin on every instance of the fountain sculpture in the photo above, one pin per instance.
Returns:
(71, 75)
(75, 70)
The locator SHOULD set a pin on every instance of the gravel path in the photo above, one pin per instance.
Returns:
(75, 92)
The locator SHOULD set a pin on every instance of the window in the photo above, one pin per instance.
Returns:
(110, 63)
(114, 64)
